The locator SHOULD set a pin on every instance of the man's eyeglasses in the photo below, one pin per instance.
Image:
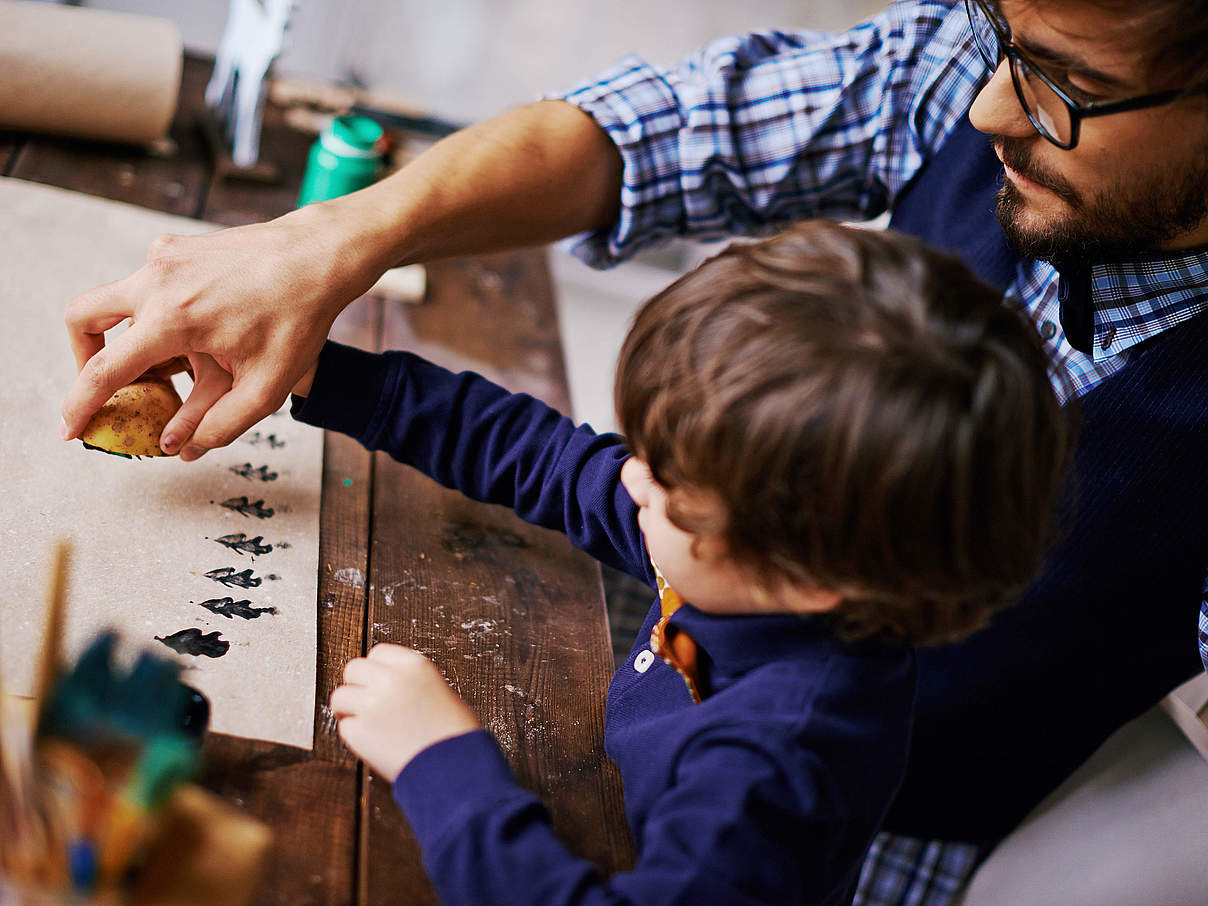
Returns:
(1050, 108)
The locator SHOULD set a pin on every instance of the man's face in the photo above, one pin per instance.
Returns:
(1136, 181)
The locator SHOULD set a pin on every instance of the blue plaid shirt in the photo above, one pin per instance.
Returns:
(756, 131)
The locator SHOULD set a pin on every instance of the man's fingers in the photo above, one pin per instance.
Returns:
(109, 368)
(165, 370)
(247, 402)
(210, 382)
(90, 314)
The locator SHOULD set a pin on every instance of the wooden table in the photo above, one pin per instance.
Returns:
(512, 614)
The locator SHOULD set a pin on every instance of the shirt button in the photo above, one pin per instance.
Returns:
(1048, 330)
(1108, 339)
(642, 662)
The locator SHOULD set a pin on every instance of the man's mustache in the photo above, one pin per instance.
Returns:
(1017, 155)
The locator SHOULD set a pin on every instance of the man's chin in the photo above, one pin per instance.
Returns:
(1037, 233)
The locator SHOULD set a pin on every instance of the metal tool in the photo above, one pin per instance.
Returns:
(251, 41)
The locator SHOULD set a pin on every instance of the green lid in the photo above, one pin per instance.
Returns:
(353, 136)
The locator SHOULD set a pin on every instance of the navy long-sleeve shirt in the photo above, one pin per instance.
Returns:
(769, 791)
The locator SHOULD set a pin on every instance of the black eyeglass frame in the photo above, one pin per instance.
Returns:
(1077, 112)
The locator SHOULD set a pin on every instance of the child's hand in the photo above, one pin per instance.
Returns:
(394, 704)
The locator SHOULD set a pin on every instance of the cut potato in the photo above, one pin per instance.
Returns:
(130, 423)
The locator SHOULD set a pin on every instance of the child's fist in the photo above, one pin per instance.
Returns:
(394, 704)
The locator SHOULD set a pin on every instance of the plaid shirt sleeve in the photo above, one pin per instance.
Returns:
(1203, 631)
(755, 131)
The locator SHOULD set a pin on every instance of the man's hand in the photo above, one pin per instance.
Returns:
(249, 307)
(394, 704)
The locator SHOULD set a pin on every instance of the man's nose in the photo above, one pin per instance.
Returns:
(996, 109)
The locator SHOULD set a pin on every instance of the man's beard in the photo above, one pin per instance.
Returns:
(1126, 220)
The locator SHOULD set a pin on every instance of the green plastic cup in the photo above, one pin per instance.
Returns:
(347, 156)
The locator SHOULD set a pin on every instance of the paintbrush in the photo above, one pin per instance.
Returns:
(140, 725)
(30, 830)
(52, 637)
(26, 832)
(84, 782)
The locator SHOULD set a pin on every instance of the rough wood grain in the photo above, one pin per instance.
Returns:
(309, 805)
(343, 545)
(496, 315)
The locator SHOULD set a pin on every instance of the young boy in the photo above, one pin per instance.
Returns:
(838, 444)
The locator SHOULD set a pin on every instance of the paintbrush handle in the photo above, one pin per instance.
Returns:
(52, 638)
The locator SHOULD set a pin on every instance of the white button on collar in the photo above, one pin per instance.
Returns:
(642, 662)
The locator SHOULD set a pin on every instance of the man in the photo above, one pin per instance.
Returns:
(1095, 115)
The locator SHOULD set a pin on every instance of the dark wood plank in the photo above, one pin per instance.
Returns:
(343, 544)
(174, 183)
(510, 612)
(494, 314)
(307, 802)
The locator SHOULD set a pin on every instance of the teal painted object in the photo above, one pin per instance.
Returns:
(347, 156)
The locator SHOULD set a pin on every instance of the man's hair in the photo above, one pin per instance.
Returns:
(869, 416)
(1173, 33)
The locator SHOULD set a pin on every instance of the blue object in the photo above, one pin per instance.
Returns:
(82, 865)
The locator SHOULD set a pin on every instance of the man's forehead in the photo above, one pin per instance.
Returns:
(1099, 33)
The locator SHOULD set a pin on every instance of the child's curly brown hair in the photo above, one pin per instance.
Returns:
(871, 417)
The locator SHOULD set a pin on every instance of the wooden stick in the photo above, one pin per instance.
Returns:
(52, 639)
(21, 818)
(26, 857)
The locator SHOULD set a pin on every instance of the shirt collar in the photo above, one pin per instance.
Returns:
(1136, 299)
(736, 643)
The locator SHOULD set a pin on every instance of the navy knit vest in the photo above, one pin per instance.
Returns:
(1110, 625)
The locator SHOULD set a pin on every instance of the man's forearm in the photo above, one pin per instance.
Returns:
(531, 175)
(251, 305)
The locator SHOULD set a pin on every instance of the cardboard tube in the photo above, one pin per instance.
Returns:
(89, 73)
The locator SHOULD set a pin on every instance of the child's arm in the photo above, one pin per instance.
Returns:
(470, 434)
(739, 823)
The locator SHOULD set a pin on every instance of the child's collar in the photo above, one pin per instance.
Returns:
(669, 599)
